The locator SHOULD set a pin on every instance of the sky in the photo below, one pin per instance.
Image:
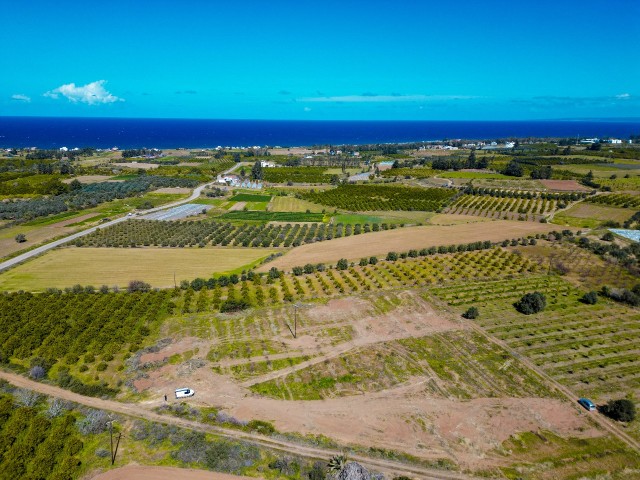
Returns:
(321, 60)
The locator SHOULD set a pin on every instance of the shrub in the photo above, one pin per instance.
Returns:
(261, 426)
(342, 264)
(622, 410)
(590, 298)
(101, 367)
(392, 256)
(471, 313)
(37, 372)
(531, 303)
(373, 260)
(608, 237)
(138, 286)
(21, 238)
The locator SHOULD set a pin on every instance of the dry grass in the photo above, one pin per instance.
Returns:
(564, 186)
(403, 239)
(118, 266)
(144, 166)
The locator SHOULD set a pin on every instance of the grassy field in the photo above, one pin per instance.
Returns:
(293, 204)
(588, 215)
(115, 266)
(473, 175)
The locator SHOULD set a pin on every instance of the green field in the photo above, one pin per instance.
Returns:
(272, 216)
(250, 197)
(292, 204)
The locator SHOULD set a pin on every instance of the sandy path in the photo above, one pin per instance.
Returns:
(403, 239)
(139, 472)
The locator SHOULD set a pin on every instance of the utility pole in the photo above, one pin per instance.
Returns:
(294, 331)
(113, 452)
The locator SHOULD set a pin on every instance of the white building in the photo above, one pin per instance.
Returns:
(615, 140)
(266, 164)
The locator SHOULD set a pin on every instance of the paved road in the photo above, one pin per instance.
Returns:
(44, 248)
(139, 410)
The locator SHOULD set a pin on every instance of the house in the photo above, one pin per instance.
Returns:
(615, 140)
(228, 179)
(266, 164)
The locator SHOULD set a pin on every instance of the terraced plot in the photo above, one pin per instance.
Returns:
(592, 349)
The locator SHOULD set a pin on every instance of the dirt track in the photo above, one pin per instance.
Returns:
(138, 411)
(139, 472)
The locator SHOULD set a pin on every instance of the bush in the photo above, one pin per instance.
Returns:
(138, 286)
(471, 313)
(531, 303)
(37, 372)
(392, 256)
(21, 238)
(608, 237)
(342, 264)
(622, 410)
(261, 426)
(590, 298)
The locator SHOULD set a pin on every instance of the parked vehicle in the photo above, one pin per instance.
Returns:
(184, 392)
(588, 404)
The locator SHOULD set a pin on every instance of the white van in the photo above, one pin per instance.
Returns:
(184, 392)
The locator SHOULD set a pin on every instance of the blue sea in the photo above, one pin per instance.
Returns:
(55, 132)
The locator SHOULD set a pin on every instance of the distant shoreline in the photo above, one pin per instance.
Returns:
(56, 132)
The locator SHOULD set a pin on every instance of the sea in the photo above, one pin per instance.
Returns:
(56, 132)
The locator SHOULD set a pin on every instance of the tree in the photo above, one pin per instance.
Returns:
(514, 169)
(21, 238)
(471, 313)
(608, 237)
(622, 410)
(256, 171)
(531, 303)
(138, 286)
(471, 161)
(342, 264)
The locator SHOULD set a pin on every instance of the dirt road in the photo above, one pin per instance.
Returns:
(391, 468)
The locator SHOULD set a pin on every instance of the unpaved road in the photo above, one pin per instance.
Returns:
(140, 472)
(388, 467)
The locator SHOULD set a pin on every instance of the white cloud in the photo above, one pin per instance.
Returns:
(623, 96)
(21, 97)
(373, 98)
(92, 93)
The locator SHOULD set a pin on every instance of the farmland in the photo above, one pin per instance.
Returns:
(380, 243)
(378, 197)
(382, 318)
(138, 233)
(110, 266)
(589, 348)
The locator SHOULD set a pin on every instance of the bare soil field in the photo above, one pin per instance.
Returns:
(140, 472)
(455, 219)
(238, 206)
(118, 266)
(37, 234)
(407, 417)
(564, 186)
(145, 166)
(91, 179)
(403, 239)
(189, 164)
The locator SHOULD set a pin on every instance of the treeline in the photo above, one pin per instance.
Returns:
(497, 192)
(140, 152)
(71, 197)
(456, 163)
(59, 154)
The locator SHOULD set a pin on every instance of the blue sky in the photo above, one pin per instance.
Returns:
(409, 60)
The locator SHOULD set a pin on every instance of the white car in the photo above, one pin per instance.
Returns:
(184, 392)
